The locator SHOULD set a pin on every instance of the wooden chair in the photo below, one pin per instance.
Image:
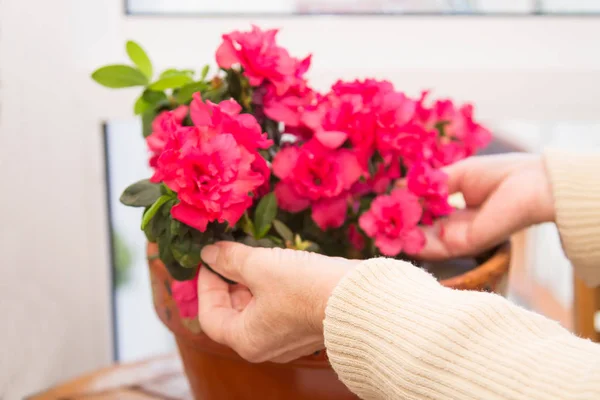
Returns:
(586, 303)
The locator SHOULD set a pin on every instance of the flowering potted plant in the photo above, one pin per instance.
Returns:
(254, 154)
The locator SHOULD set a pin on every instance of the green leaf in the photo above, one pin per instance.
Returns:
(141, 194)
(159, 223)
(147, 119)
(153, 97)
(204, 72)
(264, 242)
(139, 58)
(153, 209)
(263, 232)
(149, 231)
(141, 106)
(185, 93)
(164, 248)
(180, 273)
(176, 228)
(176, 72)
(171, 82)
(276, 240)
(119, 76)
(265, 213)
(248, 225)
(149, 99)
(283, 231)
(186, 251)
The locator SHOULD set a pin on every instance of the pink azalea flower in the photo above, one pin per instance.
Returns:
(392, 222)
(432, 186)
(317, 177)
(370, 90)
(412, 143)
(214, 166)
(346, 117)
(359, 111)
(185, 294)
(296, 108)
(162, 126)
(226, 117)
(356, 239)
(261, 58)
(461, 137)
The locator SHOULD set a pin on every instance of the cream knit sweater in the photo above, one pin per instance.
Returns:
(392, 332)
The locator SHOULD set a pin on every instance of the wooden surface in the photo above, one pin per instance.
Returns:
(586, 302)
(158, 378)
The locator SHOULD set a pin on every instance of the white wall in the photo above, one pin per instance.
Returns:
(53, 243)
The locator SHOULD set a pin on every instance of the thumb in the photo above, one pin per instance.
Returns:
(252, 265)
(236, 261)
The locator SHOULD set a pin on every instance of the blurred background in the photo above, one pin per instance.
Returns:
(74, 290)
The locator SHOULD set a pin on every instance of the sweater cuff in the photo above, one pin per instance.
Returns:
(392, 331)
(576, 188)
(358, 314)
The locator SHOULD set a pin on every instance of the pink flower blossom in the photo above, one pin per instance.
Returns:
(460, 135)
(355, 108)
(361, 111)
(261, 58)
(185, 294)
(392, 222)
(214, 166)
(371, 91)
(296, 108)
(432, 186)
(318, 177)
(164, 123)
(412, 143)
(226, 117)
(356, 239)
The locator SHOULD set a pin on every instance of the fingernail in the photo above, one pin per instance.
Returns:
(209, 254)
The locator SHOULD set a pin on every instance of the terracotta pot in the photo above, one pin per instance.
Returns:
(215, 372)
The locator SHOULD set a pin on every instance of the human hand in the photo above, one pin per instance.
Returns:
(276, 311)
(503, 194)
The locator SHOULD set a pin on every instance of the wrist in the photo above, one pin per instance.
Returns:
(330, 276)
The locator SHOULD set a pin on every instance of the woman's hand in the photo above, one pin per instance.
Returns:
(276, 311)
(503, 194)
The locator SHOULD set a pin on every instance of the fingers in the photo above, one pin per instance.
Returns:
(295, 354)
(468, 232)
(216, 313)
(251, 265)
(477, 177)
(236, 261)
(240, 297)
(449, 237)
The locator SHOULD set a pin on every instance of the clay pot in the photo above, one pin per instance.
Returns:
(216, 372)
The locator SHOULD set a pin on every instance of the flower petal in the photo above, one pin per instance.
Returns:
(288, 200)
(285, 161)
(350, 169)
(331, 139)
(389, 246)
(279, 112)
(368, 223)
(330, 213)
(230, 107)
(190, 215)
(200, 112)
(413, 241)
(226, 54)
